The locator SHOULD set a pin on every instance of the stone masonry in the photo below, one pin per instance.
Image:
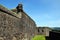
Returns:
(43, 31)
(16, 25)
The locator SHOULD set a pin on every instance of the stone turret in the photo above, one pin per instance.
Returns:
(19, 8)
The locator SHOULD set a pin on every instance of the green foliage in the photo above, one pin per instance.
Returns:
(0, 5)
(39, 37)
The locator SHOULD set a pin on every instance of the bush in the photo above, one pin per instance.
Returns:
(39, 37)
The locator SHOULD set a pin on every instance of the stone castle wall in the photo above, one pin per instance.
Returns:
(9, 26)
(43, 31)
(16, 26)
(54, 35)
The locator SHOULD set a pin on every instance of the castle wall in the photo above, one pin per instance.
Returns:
(54, 35)
(29, 25)
(43, 31)
(10, 27)
(16, 26)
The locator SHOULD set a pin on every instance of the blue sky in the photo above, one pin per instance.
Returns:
(43, 12)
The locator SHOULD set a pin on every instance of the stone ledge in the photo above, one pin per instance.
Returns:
(3, 9)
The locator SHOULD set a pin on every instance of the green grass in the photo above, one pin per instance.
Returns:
(39, 37)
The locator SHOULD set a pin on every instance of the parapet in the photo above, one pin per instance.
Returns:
(5, 10)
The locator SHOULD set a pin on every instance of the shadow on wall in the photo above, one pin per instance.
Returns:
(47, 37)
(54, 35)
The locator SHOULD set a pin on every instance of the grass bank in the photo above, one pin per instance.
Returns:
(39, 37)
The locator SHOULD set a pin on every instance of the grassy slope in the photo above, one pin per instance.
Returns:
(39, 37)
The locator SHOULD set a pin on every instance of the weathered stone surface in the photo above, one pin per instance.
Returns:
(43, 31)
(17, 26)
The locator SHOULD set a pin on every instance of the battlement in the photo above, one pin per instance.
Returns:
(3, 9)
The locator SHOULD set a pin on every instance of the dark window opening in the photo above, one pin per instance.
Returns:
(38, 30)
(42, 30)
